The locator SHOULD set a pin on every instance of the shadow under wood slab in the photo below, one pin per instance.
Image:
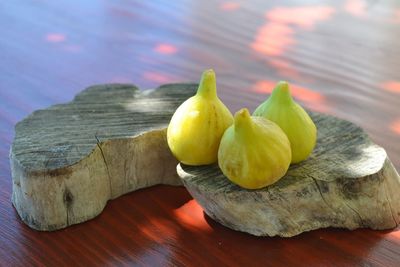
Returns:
(68, 160)
(347, 182)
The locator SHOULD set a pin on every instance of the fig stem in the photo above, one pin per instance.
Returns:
(207, 87)
(243, 122)
(281, 93)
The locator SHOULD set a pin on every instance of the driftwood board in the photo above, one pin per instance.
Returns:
(347, 182)
(68, 160)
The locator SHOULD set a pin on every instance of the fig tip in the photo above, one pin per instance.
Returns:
(283, 85)
(244, 112)
(209, 72)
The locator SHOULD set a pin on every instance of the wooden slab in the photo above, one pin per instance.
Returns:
(68, 160)
(348, 182)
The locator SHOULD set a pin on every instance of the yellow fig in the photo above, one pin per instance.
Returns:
(293, 120)
(254, 152)
(198, 124)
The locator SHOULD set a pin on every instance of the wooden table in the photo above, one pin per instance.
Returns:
(342, 58)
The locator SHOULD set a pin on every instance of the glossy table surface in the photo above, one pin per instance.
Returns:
(341, 57)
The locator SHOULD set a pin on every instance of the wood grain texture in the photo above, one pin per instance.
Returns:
(348, 182)
(341, 55)
(68, 160)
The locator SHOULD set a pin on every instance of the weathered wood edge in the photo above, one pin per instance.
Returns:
(388, 177)
(370, 200)
(53, 199)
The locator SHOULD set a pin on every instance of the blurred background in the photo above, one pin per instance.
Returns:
(340, 57)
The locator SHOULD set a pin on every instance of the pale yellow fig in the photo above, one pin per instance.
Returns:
(293, 120)
(197, 126)
(254, 152)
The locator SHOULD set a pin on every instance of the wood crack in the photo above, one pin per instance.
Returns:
(67, 209)
(105, 162)
(356, 212)
(388, 201)
(320, 193)
(68, 199)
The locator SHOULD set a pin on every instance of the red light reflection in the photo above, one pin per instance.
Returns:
(311, 99)
(305, 17)
(397, 16)
(264, 87)
(391, 86)
(394, 235)
(276, 35)
(166, 49)
(55, 37)
(158, 77)
(191, 215)
(355, 7)
(273, 39)
(229, 6)
(395, 127)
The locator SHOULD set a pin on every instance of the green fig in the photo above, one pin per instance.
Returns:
(198, 124)
(254, 152)
(293, 120)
